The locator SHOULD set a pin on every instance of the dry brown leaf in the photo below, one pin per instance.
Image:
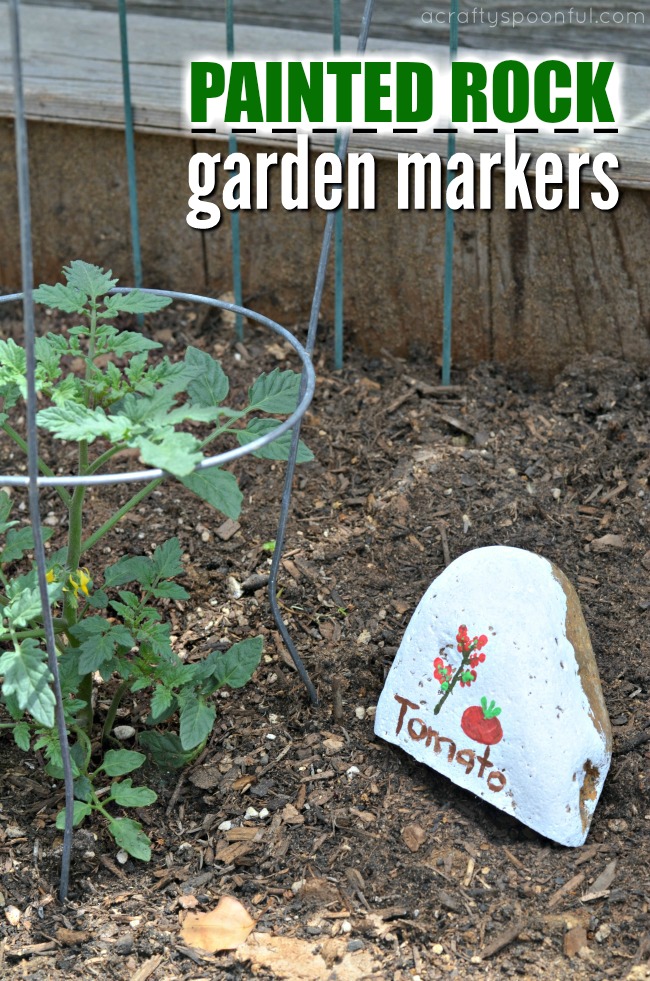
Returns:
(297, 960)
(574, 940)
(614, 541)
(71, 937)
(290, 815)
(414, 837)
(333, 743)
(600, 888)
(225, 927)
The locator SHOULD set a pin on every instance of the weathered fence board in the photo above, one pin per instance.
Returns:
(73, 74)
(532, 288)
(581, 25)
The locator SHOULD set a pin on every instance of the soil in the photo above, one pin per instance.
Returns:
(364, 863)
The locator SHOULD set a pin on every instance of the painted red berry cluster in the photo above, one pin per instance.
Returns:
(472, 653)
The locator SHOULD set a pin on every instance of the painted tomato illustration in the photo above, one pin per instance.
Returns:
(481, 724)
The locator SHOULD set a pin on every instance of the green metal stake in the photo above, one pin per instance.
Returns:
(449, 225)
(234, 215)
(338, 223)
(130, 151)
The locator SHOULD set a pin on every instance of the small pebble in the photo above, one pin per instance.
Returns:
(346, 927)
(225, 826)
(603, 932)
(437, 949)
(122, 857)
(123, 732)
(297, 886)
(271, 735)
(352, 772)
(360, 712)
(355, 945)
(251, 812)
(264, 813)
(617, 824)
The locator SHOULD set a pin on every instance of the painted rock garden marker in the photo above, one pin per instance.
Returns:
(495, 685)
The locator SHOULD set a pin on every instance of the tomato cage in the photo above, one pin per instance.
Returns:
(33, 482)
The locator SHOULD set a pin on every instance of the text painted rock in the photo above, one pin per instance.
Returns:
(496, 686)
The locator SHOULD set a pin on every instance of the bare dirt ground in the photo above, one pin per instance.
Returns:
(366, 864)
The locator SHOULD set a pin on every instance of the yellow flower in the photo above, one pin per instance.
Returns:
(80, 581)
(50, 576)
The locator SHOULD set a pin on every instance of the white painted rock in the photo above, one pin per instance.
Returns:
(495, 685)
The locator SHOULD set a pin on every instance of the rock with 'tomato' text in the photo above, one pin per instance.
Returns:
(495, 685)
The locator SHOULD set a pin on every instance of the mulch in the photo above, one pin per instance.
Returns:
(354, 860)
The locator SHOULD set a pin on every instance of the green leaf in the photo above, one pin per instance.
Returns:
(27, 677)
(156, 636)
(170, 590)
(5, 509)
(167, 560)
(275, 392)
(161, 701)
(98, 600)
(208, 385)
(279, 448)
(13, 363)
(49, 743)
(25, 599)
(128, 834)
(80, 811)
(89, 279)
(98, 640)
(236, 667)
(83, 788)
(133, 568)
(76, 422)
(49, 351)
(219, 488)
(166, 749)
(127, 796)
(60, 297)
(147, 411)
(81, 751)
(22, 736)
(20, 541)
(178, 453)
(130, 342)
(197, 720)
(134, 302)
(117, 762)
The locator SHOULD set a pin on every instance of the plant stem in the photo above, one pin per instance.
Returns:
(101, 460)
(70, 601)
(113, 707)
(113, 520)
(85, 694)
(42, 466)
(59, 627)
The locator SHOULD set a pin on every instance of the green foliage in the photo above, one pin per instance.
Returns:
(119, 633)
